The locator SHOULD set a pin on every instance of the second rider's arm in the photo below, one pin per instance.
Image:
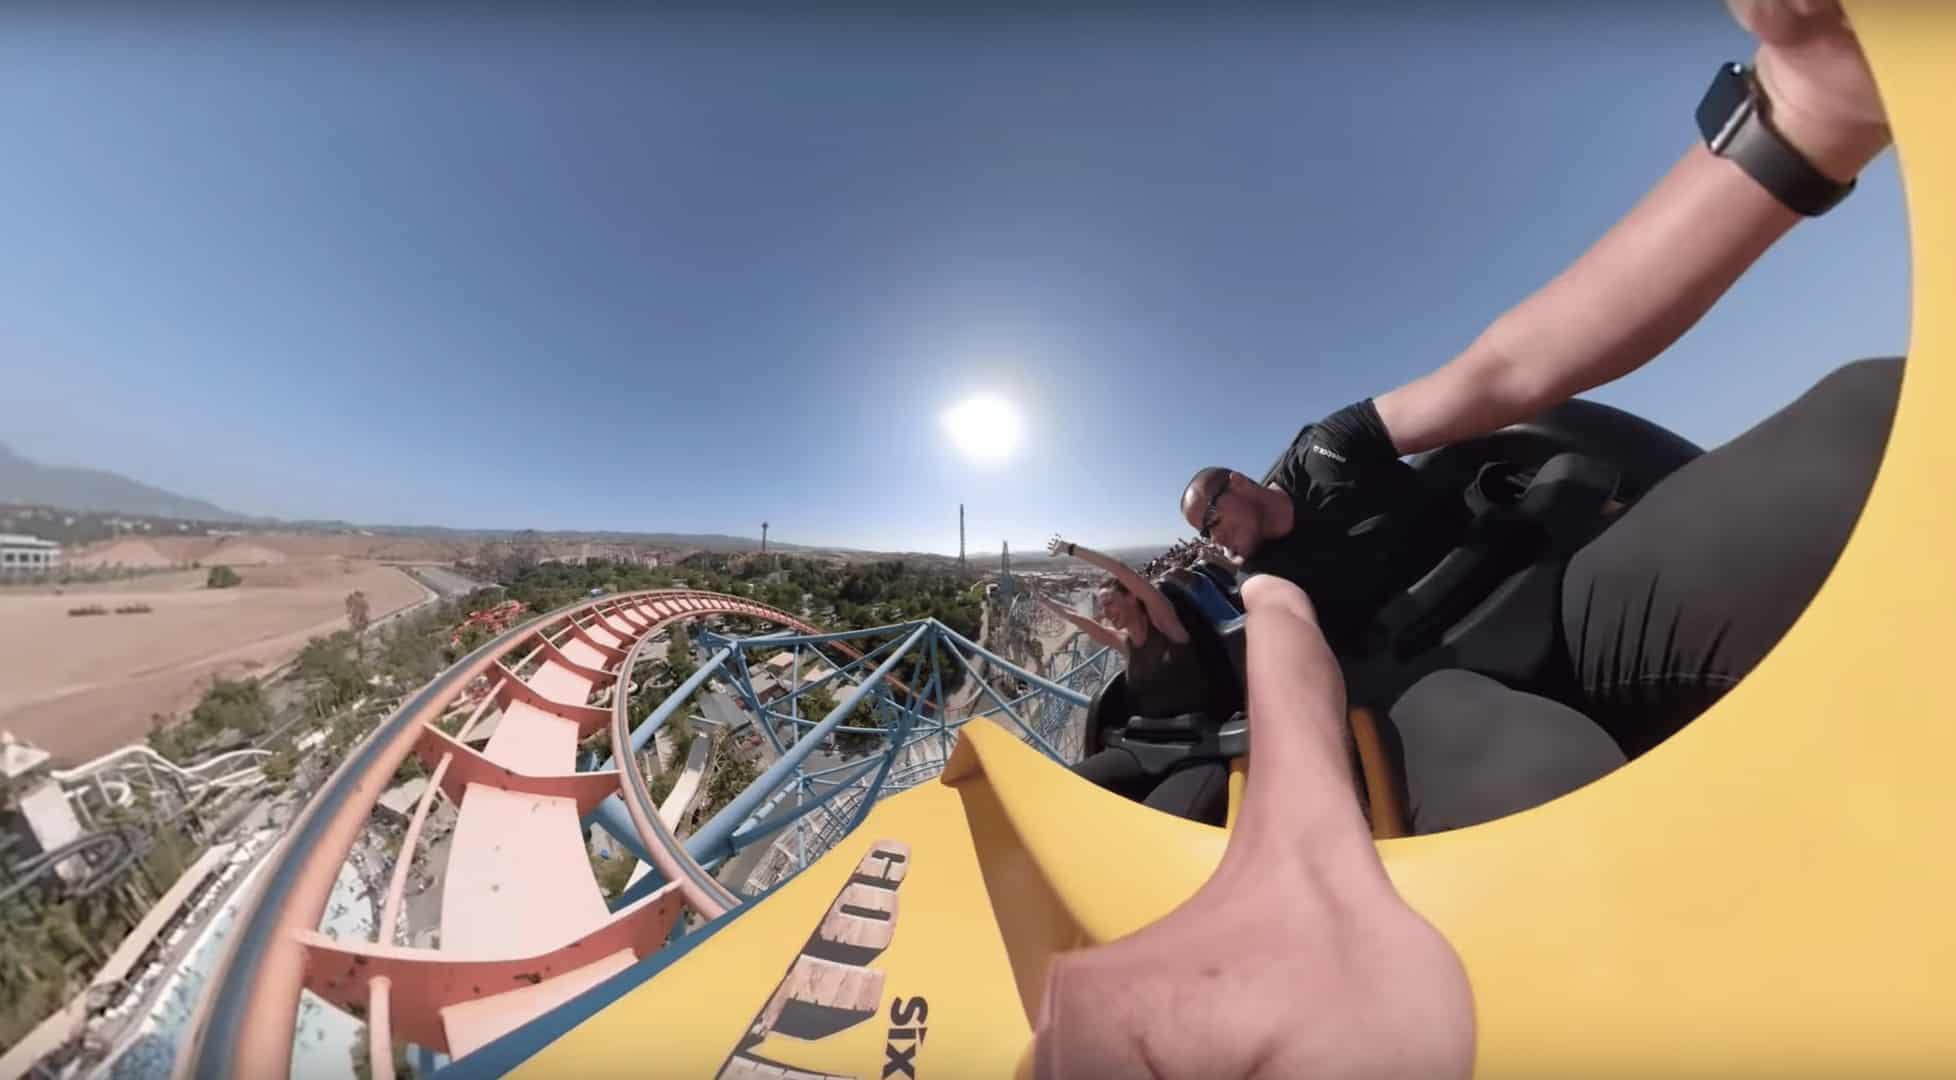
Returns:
(1092, 629)
(1160, 611)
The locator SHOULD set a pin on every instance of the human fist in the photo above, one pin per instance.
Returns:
(1822, 92)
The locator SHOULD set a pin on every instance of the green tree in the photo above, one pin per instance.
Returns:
(237, 706)
(816, 702)
(358, 617)
(679, 737)
(679, 653)
(336, 678)
(221, 577)
(868, 713)
(614, 873)
(164, 738)
(280, 767)
(732, 773)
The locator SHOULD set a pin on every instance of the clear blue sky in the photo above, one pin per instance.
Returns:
(500, 271)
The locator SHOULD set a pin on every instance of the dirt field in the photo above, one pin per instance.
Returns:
(263, 548)
(80, 686)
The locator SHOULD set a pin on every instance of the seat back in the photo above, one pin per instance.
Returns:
(1492, 604)
(1224, 578)
(1643, 453)
(1201, 590)
(1205, 615)
(1108, 709)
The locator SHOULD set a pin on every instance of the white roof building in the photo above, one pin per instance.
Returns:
(20, 554)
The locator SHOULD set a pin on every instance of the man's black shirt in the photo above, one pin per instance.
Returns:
(1361, 533)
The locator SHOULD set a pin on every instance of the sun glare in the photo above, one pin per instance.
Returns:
(983, 428)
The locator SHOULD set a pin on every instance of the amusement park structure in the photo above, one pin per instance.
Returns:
(1766, 892)
(524, 926)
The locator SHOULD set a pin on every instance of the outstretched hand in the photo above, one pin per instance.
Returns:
(1058, 546)
(1297, 957)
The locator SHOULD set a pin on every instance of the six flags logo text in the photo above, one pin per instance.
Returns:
(831, 986)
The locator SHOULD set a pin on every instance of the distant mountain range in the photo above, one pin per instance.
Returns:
(24, 482)
(33, 484)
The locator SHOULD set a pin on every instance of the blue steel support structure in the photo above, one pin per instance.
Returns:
(820, 805)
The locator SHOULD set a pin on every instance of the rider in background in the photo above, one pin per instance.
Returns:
(1165, 677)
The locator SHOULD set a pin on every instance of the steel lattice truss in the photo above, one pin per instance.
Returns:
(952, 681)
(505, 736)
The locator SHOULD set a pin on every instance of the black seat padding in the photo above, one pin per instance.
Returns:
(1202, 742)
(1235, 645)
(1492, 604)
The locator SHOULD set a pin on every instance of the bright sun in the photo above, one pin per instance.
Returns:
(985, 427)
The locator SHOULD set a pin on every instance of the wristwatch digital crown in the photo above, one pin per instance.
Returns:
(1735, 119)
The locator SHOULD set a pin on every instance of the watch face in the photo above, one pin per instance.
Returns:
(1725, 105)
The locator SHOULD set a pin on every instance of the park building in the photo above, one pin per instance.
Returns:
(21, 555)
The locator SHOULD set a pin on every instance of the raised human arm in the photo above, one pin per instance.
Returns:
(1656, 273)
(1110, 638)
(1160, 611)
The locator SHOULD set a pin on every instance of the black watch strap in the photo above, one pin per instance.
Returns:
(1746, 137)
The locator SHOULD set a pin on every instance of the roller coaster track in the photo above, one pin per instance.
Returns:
(523, 923)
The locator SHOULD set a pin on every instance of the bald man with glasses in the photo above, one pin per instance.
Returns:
(1340, 516)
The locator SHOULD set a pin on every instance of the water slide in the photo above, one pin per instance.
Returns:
(1766, 892)
(118, 774)
(687, 787)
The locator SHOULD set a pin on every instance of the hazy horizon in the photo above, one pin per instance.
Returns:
(601, 271)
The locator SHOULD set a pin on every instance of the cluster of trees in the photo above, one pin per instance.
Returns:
(680, 664)
(230, 712)
(347, 680)
(221, 577)
(847, 598)
(868, 713)
(55, 943)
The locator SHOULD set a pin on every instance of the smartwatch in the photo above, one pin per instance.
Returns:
(1736, 121)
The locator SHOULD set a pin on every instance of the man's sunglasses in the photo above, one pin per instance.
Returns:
(1209, 515)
